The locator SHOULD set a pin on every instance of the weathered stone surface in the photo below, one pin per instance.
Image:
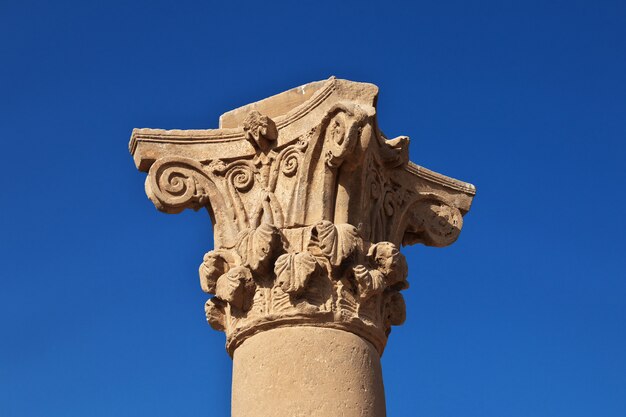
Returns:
(312, 372)
(310, 203)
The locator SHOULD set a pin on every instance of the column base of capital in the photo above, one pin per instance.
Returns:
(368, 331)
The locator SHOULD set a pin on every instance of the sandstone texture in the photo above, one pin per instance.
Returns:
(310, 203)
(307, 372)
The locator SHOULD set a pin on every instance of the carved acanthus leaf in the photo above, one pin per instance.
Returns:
(236, 287)
(293, 271)
(257, 246)
(214, 309)
(336, 242)
(213, 265)
(388, 260)
(395, 309)
(370, 282)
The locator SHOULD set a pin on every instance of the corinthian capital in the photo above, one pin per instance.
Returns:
(310, 204)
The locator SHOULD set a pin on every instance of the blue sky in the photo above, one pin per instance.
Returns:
(101, 312)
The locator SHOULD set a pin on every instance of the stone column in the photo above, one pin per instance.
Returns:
(310, 203)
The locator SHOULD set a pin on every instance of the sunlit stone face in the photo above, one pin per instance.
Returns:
(310, 204)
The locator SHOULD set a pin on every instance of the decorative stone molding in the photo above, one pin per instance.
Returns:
(310, 204)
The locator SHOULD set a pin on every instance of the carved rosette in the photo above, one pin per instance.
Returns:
(309, 212)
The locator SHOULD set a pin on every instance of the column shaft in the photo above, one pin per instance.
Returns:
(308, 372)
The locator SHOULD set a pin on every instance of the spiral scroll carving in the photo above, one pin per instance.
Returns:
(432, 222)
(343, 124)
(174, 184)
(241, 177)
(290, 163)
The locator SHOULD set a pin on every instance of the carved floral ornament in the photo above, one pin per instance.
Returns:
(309, 210)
